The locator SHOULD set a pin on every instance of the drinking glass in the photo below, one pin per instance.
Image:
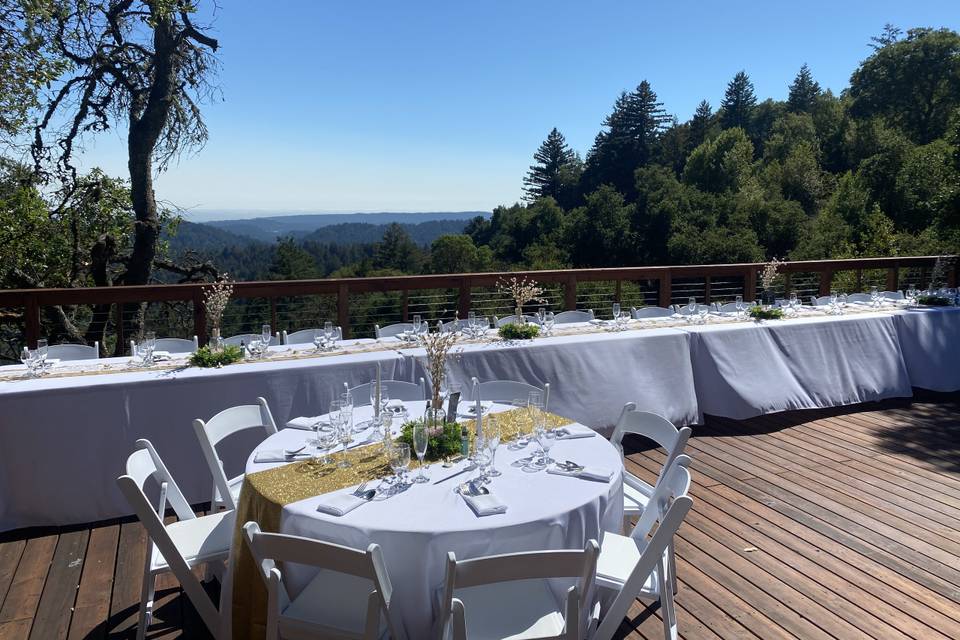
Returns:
(420, 440)
(834, 301)
(318, 340)
(326, 441)
(491, 432)
(417, 324)
(337, 336)
(548, 321)
(149, 346)
(540, 435)
(874, 296)
(616, 311)
(42, 345)
(265, 336)
(327, 331)
(702, 314)
(29, 358)
(794, 301)
(842, 299)
(399, 459)
(542, 315)
(691, 305)
(739, 303)
(481, 456)
(472, 325)
(373, 393)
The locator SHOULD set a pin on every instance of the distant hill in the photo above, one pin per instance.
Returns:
(362, 233)
(270, 228)
(204, 239)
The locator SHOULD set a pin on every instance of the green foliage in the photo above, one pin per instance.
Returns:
(442, 442)
(738, 104)
(934, 301)
(721, 164)
(804, 91)
(759, 313)
(396, 250)
(205, 357)
(517, 331)
(598, 233)
(556, 171)
(458, 254)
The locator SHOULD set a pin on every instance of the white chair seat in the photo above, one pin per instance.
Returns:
(518, 610)
(635, 498)
(235, 484)
(200, 539)
(618, 556)
(332, 600)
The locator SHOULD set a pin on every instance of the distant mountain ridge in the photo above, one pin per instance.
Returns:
(270, 228)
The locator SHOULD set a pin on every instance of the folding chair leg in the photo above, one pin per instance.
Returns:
(672, 556)
(146, 604)
(667, 609)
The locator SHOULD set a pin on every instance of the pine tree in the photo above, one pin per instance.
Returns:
(545, 177)
(803, 91)
(700, 125)
(738, 102)
(889, 35)
(397, 250)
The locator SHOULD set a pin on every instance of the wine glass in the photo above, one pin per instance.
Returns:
(834, 301)
(542, 315)
(42, 346)
(149, 346)
(491, 432)
(318, 340)
(739, 303)
(29, 358)
(265, 336)
(842, 299)
(544, 442)
(417, 324)
(327, 331)
(702, 312)
(399, 460)
(616, 311)
(420, 440)
(794, 301)
(548, 322)
(874, 297)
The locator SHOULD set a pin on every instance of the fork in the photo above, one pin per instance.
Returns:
(359, 490)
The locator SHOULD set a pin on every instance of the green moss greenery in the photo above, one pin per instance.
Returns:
(514, 331)
(443, 441)
(759, 313)
(933, 301)
(207, 358)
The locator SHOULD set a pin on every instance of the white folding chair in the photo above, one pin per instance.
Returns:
(176, 547)
(215, 430)
(859, 297)
(685, 310)
(247, 338)
(566, 317)
(510, 596)
(730, 307)
(636, 492)
(822, 301)
(398, 390)
(170, 345)
(454, 325)
(74, 351)
(350, 597)
(892, 295)
(505, 391)
(638, 566)
(650, 312)
(512, 319)
(392, 329)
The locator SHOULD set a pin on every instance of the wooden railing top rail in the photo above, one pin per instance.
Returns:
(332, 286)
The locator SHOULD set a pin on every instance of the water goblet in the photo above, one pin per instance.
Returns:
(541, 315)
(265, 335)
(874, 297)
(420, 441)
(842, 301)
(548, 322)
(834, 301)
(318, 340)
(702, 314)
(616, 311)
(417, 324)
(327, 332)
(399, 460)
(29, 358)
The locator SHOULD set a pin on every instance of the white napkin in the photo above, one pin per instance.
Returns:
(304, 423)
(161, 355)
(572, 432)
(484, 505)
(339, 504)
(395, 405)
(587, 473)
(470, 410)
(276, 455)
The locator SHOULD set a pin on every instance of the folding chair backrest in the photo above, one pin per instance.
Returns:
(674, 483)
(247, 338)
(142, 464)
(683, 309)
(858, 297)
(819, 302)
(303, 336)
(177, 345)
(732, 306)
(506, 391)
(397, 389)
(892, 295)
(653, 427)
(512, 319)
(392, 329)
(651, 312)
(270, 548)
(74, 351)
(566, 317)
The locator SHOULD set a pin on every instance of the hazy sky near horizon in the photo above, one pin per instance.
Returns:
(439, 105)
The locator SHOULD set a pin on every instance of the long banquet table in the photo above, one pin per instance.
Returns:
(64, 440)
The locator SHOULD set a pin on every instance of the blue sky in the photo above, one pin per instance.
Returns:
(439, 106)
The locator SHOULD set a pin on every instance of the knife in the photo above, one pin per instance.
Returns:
(454, 475)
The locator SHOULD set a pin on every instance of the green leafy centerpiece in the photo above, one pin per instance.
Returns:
(443, 438)
(214, 358)
(514, 331)
(759, 313)
(934, 301)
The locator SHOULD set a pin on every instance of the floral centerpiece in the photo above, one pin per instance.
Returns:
(760, 313)
(215, 300)
(514, 331)
(438, 345)
(443, 438)
(521, 291)
(216, 358)
(768, 277)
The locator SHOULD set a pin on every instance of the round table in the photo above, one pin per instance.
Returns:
(416, 528)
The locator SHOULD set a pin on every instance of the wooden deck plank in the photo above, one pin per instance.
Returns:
(854, 515)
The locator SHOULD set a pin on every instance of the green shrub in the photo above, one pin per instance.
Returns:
(516, 331)
(205, 357)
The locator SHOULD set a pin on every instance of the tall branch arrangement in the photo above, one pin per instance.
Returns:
(938, 275)
(521, 290)
(438, 345)
(215, 300)
(770, 273)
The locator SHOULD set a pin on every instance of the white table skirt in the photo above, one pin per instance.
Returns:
(930, 341)
(417, 528)
(64, 441)
(742, 371)
(591, 376)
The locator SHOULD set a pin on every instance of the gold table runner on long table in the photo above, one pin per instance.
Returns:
(265, 493)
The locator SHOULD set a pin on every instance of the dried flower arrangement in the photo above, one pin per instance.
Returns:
(521, 291)
(215, 300)
(438, 345)
(770, 273)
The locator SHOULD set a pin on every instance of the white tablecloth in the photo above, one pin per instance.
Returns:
(418, 527)
(746, 370)
(591, 375)
(64, 441)
(930, 341)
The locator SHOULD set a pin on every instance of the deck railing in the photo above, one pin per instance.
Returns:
(356, 303)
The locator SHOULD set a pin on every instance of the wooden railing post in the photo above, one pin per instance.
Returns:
(826, 281)
(199, 316)
(32, 319)
(273, 315)
(859, 280)
(463, 298)
(750, 284)
(405, 306)
(893, 278)
(787, 284)
(343, 309)
(570, 293)
(706, 290)
(666, 288)
(618, 292)
(952, 276)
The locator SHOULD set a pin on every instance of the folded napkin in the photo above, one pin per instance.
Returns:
(572, 432)
(161, 355)
(276, 455)
(305, 423)
(587, 473)
(469, 410)
(395, 405)
(339, 504)
(485, 504)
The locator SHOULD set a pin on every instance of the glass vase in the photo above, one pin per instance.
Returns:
(216, 342)
(519, 313)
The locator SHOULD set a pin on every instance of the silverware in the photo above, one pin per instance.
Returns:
(293, 452)
(471, 488)
(359, 490)
(454, 475)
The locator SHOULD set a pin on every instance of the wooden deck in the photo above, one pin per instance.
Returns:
(820, 524)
